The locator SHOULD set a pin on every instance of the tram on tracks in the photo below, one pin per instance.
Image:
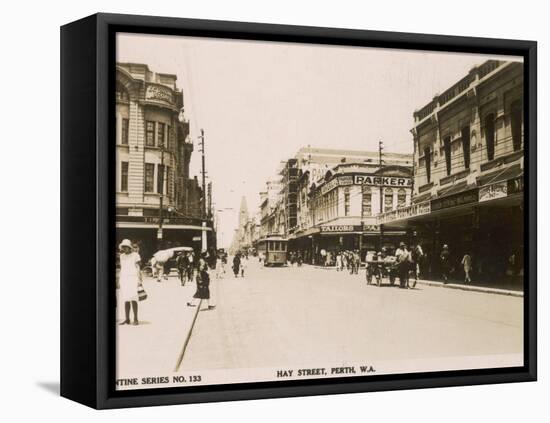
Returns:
(274, 250)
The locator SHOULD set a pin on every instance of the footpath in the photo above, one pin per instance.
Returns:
(502, 289)
(514, 288)
(165, 324)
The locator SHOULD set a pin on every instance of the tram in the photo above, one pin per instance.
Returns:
(273, 249)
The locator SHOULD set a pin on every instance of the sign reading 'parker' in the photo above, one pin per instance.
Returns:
(391, 181)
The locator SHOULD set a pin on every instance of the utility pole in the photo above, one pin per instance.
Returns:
(161, 192)
(204, 244)
(203, 177)
(380, 148)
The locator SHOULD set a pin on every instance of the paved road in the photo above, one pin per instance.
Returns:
(298, 316)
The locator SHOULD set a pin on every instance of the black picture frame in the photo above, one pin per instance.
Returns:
(87, 209)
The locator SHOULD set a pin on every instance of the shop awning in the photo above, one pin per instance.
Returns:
(422, 197)
(453, 189)
(500, 175)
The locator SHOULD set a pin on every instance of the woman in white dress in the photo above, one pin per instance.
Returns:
(129, 280)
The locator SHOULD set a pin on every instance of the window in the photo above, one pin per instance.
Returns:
(169, 143)
(124, 176)
(466, 146)
(149, 177)
(149, 133)
(490, 136)
(447, 149)
(516, 121)
(124, 131)
(388, 199)
(346, 202)
(428, 163)
(121, 93)
(161, 127)
(401, 198)
(366, 204)
(168, 182)
(160, 178)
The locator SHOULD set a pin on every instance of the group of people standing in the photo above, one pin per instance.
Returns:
(348, 260)
(189, 267)
(240, 263)
(295, 257)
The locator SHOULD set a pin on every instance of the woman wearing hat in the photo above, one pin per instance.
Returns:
(129, 280)
(445, 265)
(203, 284)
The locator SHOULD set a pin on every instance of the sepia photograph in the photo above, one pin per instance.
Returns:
(290, 211)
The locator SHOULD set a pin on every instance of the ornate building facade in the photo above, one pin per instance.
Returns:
(469, 159)
(157, 202)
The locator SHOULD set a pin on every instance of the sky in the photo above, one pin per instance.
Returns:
(260, 102)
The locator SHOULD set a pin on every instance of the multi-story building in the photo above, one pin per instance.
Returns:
(269, 203)
(344, 205)
(153, 151)
(289, 194)
(329, 199)
(468, 154)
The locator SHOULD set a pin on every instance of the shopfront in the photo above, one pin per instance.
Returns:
(485, 222)
(176, 232)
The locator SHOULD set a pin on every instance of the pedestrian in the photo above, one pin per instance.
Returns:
(191, 266)
(467, 263)
(417, 255)
(129, 280)
(357, 257)
(244, 265)
(329, 259)
(344, 261)
(203, 283)
(338, 261)
(158, 263)
(236, 264)
(444, 258)
(220, 268)
(403, 258)
(182, 262)
(323, 256)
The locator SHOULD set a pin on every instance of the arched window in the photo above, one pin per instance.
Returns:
(490, 135)
(401, 198)
(366, 204)
(447, 150)
(346, 202)
(516, 122)
(388, 199)
(465, 135)
(121, 93)
(428, 163)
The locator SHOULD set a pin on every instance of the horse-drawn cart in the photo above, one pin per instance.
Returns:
(380, 269)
